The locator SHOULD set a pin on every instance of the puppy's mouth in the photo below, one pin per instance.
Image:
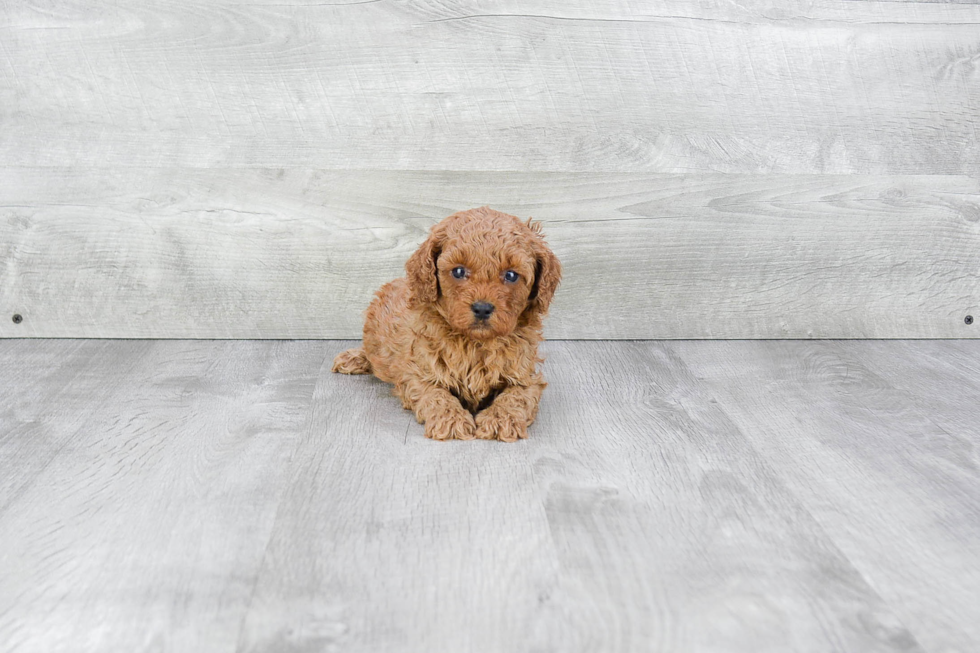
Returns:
(481, 329)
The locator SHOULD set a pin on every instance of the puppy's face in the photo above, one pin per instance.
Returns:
(484, 286)
(482, 270)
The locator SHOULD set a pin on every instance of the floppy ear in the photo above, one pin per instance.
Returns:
(421, 268)
(547, 276)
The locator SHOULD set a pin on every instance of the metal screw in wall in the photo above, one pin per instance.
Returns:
(18, 318)
(968, 319)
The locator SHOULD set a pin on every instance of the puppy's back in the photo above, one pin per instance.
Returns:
(385, 329)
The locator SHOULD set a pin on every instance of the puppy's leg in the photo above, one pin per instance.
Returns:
(508, 417)
(444, 417)
(352, 361)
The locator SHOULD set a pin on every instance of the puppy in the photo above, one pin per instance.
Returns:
(458, 336)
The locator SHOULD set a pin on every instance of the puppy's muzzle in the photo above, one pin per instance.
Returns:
(482, 310)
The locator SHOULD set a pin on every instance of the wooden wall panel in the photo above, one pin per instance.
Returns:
(280, 253)
(713, 169)
(797, 87)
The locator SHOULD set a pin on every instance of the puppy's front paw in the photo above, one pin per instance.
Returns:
(494, 424)
(352, 361)
(451, 425)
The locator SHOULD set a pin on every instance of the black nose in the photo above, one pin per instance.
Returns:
(482, 310)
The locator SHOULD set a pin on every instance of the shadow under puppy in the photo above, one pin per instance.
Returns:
(458, 336)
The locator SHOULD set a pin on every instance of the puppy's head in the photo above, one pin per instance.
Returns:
(484, 271)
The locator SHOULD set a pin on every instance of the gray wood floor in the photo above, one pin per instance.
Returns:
(683, 496)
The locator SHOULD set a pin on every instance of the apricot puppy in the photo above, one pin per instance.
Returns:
(458, 336)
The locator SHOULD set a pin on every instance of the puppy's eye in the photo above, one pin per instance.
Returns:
(511, 277)
(459, 272)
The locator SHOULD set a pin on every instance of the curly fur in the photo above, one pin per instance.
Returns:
(462, 376)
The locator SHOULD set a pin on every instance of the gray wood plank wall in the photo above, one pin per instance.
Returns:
(711, 170)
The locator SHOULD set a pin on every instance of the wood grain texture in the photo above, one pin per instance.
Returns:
(161, 487)
(86, 376)
(673, 533)
(281, 253)
(758, 169)
(621, 525)
(760, 86)
(950, 406)
(738, 496)
(387, 541)
(887, 468)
